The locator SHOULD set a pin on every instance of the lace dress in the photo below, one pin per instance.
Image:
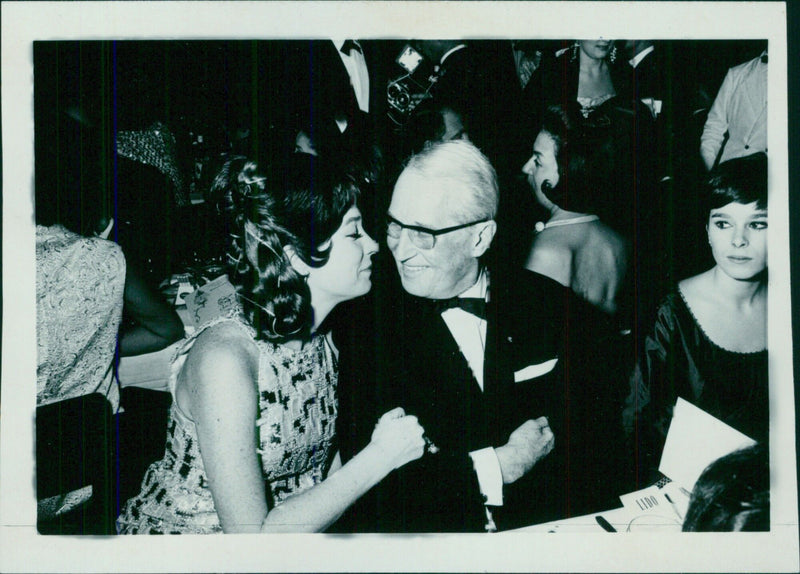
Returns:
(296, 428)
(80, 283)
(589, 105)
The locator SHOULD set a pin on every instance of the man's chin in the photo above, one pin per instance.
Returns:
(412, 286)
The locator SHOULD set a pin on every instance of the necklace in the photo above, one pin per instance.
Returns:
(571, 221)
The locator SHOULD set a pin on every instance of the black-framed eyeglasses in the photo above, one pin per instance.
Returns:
(422, 237)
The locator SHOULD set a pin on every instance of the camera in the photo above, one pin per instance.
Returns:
(399, 96)
(405, 93)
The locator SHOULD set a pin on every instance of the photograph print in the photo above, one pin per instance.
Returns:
(427, 285)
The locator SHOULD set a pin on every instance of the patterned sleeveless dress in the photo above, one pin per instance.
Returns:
(80, 283)
(296, 428)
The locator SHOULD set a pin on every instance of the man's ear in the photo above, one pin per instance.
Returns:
(295, 261)
(483, 237)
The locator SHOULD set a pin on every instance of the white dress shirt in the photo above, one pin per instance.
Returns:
(652, 104)
(356, 67)
(447, 54)
(469, 332)
(640, 56)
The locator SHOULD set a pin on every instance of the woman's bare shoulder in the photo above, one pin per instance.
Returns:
(560, 239)
(551, 256)
(222, 348)
(599, 231)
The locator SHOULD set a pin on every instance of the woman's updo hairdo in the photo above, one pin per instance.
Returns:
(300, 206)
(585, 158)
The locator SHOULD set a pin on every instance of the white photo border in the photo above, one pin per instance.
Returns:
(23, 549)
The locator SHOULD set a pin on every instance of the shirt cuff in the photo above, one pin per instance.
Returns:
(490, 478)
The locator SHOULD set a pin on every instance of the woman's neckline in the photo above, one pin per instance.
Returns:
(705, 335)
(540, 226)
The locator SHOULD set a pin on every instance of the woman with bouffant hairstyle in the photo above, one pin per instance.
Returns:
(250, 442)
(270, 220)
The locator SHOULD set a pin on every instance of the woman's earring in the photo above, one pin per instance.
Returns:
(575, 47)
(612, 56)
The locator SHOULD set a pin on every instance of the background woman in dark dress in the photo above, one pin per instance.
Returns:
(709, 341)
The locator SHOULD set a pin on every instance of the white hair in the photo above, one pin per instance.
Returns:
(465, 171)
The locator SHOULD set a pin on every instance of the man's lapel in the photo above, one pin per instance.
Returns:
(497, 370)
(450, 400)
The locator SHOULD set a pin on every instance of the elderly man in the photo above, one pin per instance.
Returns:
(475, 355)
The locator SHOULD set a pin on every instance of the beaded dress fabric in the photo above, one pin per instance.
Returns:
(155, 146)
(296, 424)
(80, 282)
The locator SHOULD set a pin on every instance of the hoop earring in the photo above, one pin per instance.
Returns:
(612, 56)
(575, 48)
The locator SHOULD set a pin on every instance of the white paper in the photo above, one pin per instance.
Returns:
(696, 439)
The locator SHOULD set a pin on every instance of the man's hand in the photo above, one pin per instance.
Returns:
(528, 444)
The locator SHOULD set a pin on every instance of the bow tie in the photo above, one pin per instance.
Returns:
(472, 305)
(349, 46)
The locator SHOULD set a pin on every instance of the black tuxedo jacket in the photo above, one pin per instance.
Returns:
(318, 87)
(413, 361)
(664, 76)
(479, 81)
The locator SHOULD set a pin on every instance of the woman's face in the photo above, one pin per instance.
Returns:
(542, 166)
(596, 49)
(737, 234)
(347, 273)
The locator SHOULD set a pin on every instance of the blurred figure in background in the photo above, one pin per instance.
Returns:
(433, 122)
(83, 285)
(586, 72)
(737, 122)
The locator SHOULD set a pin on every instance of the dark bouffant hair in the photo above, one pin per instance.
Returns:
(585, 156)
(732, 494)
(299, 205)
(740, 180)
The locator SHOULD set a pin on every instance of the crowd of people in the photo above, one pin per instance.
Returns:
(471, 278)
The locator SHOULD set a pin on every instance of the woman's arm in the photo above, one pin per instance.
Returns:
(220, 374)
(157, 324)
(217, 387)
(716, 123)
(397, 439)
(659, 372)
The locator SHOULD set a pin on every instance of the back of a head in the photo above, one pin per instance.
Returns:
(585, 156)
(429, 125)
(740, 180)
(460, 166)
(425, 125)
(732, 494)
